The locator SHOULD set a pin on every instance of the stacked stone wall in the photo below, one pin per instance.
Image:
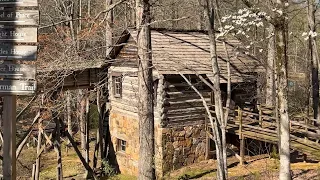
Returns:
(183, 146)
(125, 127)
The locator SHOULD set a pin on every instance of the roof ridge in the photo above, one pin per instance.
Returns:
(177, 30)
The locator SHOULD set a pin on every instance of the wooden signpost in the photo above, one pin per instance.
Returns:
(19, 35)
(13, 87)
(23, 3)
(16, 26)
(18, 71)
(9, 52)
(19, 17)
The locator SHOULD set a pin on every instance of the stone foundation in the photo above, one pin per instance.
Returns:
(174, 147)
(183, 146)
(126, 128)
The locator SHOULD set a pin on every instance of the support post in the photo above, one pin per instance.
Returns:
(241, 137)
(33, 171)
(57, 147)
(37, 168)
(9, 136)
(240, 122)
(207, 137)
(242, 150)
(260, 115)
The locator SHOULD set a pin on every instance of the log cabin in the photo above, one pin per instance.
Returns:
(180, 125)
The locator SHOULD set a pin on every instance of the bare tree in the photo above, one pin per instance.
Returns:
(270, 76)
(220, 120)
(145, 86)
(314, 60)
(281, 35)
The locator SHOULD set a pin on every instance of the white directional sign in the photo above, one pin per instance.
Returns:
(17, 87)
(18, 17)
(10, 52)
(17, 71)
(20, 34)
(24, 3)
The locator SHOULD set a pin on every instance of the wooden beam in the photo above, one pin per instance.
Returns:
(37, 172)
(26, 136)
(9, 136)
(26, 107)
(74, 145)
(242, 150)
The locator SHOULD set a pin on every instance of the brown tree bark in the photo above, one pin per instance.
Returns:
(82, 122)
(69, 120)
(109, 27)
(314, 60)
(220, 122)
(87, 133)
(145, 86)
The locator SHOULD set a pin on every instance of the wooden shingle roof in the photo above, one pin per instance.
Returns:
(189, 53)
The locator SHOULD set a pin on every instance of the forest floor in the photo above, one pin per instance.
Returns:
(258, 167)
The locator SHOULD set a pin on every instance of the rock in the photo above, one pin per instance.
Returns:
(190, 159)
(203, 133)
(189, 132)
(195, 141)
(201, 149)
(188, 143)
(182, 133)
(175, 144)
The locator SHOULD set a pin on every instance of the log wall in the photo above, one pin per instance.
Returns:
(183, 106)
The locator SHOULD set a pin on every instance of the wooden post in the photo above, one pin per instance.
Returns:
(74, 145)
(37, 168)
(260, 115)
(9, 136)
(33, 171)
(207, 137)
(241, 137)
(57, 145)
(242, 150)
(240, 122)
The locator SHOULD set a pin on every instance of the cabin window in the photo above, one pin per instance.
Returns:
(117, 86)
(121, 145)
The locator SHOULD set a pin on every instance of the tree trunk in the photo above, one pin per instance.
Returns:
(82, 121)
(270, 86)
(109, 26)
(314, 60)
(145, 86)
(69, 120)
(281, 33)
(220, 122)
(87, 133)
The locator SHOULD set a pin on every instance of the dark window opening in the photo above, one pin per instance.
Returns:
(117, 86)
(155, 92)
(121, 145)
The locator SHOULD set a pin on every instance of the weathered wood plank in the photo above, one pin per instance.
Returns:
(11, 16)
(21, 34)
(22, 3)
(10, 52)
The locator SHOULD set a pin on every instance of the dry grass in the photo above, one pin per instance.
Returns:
(258, 168)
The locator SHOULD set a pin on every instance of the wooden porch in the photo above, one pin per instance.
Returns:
(263, 126)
